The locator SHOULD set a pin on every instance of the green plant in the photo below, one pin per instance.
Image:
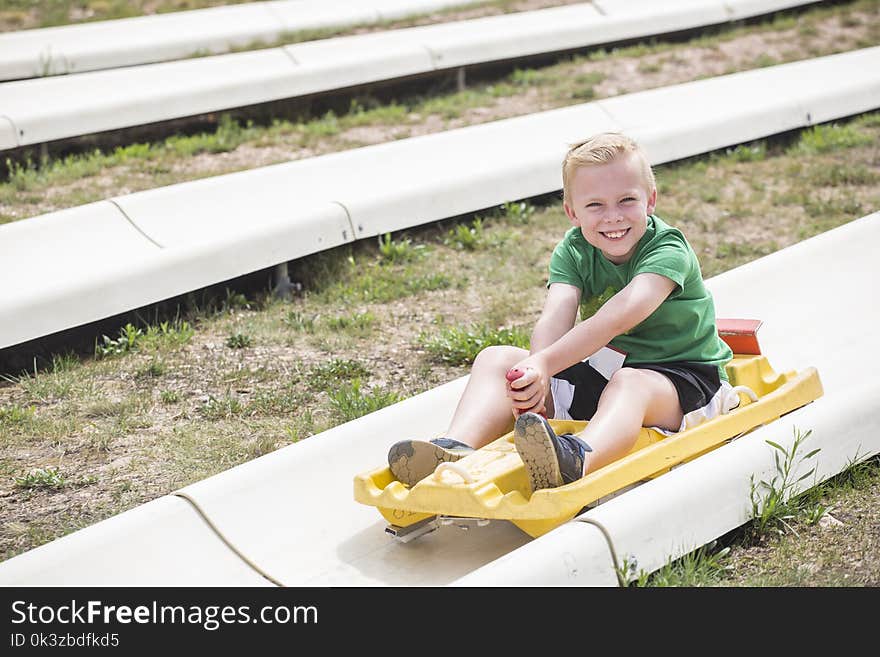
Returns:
(176, 332)
(747, 152)
(153, 369)
(702, 567)
(234, 300)
(15, 415)
(298, 321)
(403, 250)
(335, 370)
(773, 502)
(468, 237)
(223, 408)
(126, 342)
(460, 345)
(518, 211)
(351, 401)
(50, 477)
(239, 341)
(360, 322)
(825, 138)
(169, 396)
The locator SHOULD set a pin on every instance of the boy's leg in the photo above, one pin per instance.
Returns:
(482, 415)
(633, 398)
(484, 410)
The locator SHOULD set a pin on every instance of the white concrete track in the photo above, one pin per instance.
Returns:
(49, 108)
(290, 516)
(178, 35)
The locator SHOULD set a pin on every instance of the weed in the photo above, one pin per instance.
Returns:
(273, 403)
(223, 408)
(16, 416)
(360, 322)
(527, 77)
(300, 322)
(234, 301)
(394, 251)
(764, 60)
(467, 237)
(460, 346)
(50, 477)
(825, 138)
(64, 362)
(380, 284)
(702, 567)
(519, 212)
(333, 371)
(860, 472)
(173, 333)
(126, 342)
(261, 445)
(843, 174)
(239, 341)
(169, 396)
(747, 152)
(110, 408)
(777, 505)
(153, 369)
(326, 126)
(350, 401)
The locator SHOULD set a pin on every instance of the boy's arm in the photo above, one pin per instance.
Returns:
(626, 309)
(557, 317)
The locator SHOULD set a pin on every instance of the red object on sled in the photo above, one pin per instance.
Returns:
(741, 335)
(512, 375)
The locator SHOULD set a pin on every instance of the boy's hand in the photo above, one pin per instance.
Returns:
(527, 388)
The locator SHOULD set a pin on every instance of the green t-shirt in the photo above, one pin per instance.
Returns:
(682, 328)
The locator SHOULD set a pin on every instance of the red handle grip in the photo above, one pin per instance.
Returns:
(512, 375)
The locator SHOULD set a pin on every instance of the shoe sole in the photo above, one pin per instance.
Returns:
(537, 452)
(413, 460)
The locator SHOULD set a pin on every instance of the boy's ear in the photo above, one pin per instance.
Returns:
(570, 214)
(652, 201)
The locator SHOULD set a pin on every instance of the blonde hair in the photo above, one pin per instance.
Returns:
(602, 148)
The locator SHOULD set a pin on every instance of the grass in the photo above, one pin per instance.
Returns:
(351, 400)
(458, 345)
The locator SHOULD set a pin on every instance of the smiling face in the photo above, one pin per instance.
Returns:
(610, 203)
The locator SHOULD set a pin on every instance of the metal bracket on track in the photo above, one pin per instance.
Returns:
(428, 525)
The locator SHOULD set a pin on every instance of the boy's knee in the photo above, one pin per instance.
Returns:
(501, 355)
(626, 376)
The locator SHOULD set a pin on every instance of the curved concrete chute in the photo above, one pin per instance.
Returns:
(122, 42)
(161, 543)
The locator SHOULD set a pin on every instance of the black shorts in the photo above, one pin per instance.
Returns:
(696, 384)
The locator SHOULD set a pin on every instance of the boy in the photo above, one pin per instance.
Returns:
(667, 363)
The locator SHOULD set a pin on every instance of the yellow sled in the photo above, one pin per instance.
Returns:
(492, 483)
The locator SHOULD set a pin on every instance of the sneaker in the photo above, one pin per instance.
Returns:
(413, 460)
(550, 460)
